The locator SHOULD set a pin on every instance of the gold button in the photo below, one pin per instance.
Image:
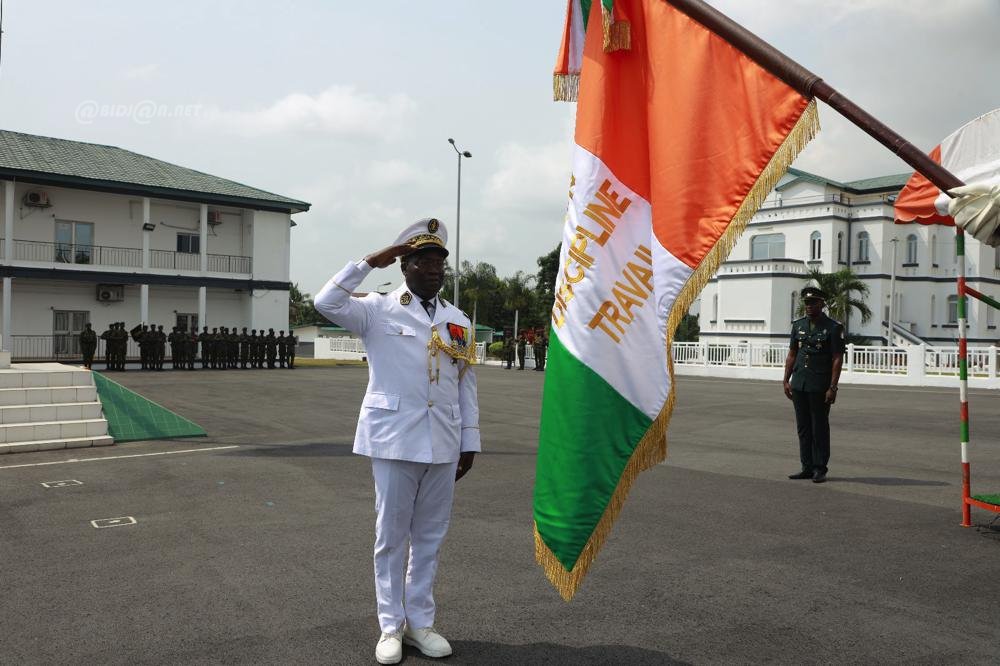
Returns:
(430, 403)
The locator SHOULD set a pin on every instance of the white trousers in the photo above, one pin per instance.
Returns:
(412, 504)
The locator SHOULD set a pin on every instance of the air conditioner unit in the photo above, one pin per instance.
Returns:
(214, 217)
(37, 199)
(110, 293)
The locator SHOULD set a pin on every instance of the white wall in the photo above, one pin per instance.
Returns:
(33, 302)
(271, 245)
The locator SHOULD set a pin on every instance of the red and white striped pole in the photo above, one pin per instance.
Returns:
(963, 376)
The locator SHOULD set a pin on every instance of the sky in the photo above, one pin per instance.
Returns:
(349, 105)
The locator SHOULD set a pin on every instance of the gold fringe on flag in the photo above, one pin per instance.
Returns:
(652, 448)
(565, 87)
(619, 38)
(617, 34)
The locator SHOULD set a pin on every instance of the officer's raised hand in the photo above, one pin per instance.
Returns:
(387, 256)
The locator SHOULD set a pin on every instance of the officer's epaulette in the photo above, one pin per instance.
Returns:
(800, 319)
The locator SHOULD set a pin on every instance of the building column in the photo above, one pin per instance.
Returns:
(8, 221)
(6, 342)
(8, 254)
(144, 303)
(203, 238)
(144, 289)
(202, 292)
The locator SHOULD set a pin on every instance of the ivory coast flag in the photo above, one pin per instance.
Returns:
(972, 153)
(678, 140)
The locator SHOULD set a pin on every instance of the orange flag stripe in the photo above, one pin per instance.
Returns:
(684, 119)
(916, 200)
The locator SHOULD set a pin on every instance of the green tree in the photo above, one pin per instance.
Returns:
(688, 329)
(301, 310)
(518, 296)
(545, 286)
(840, 288)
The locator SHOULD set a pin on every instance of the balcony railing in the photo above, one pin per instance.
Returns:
(125, 257)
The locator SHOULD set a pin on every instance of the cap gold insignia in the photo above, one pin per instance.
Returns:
(433, 225)
(405, 298)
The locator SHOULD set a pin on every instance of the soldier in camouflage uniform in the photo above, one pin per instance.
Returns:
(244, 348)
(88, 345)
(271, 347)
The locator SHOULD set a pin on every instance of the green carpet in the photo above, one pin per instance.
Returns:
(988, 499)
(132, 417)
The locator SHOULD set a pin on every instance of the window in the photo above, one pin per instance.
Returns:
(840, 247)
(815, 246)
(996, 257)
(863, 256)
(953, 309)
(934, 250)
(74, 242)
(795, 305)
(991, 316)
(911, 249)
(715, 307)
(934, 318)
(189, 243)
(187, 322)
(66, 327)
(767, 246)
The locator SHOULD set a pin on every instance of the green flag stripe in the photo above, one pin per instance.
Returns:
(588, 433)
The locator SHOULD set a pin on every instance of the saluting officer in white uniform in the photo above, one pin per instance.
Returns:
(419, 424)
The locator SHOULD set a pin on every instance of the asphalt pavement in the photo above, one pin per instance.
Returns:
(253, 546)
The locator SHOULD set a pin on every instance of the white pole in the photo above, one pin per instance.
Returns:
(892, 290)
(516, 313)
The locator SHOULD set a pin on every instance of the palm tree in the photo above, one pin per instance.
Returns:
(518, 294)
(839, 288)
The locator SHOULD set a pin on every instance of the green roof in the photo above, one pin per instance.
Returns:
(880, 183)
(74, 163)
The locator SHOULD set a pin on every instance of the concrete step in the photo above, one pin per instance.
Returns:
(53, 444)
(47, 395)
(50, 430)
(67, 411)
(14, 378)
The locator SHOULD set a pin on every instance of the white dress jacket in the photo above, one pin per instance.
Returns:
(417, 407)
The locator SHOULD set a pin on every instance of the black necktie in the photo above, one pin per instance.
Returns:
(429, 307)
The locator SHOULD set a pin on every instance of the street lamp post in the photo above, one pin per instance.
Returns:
(458, 216)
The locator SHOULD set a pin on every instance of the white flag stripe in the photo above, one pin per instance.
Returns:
(607, 318)
(972, 153)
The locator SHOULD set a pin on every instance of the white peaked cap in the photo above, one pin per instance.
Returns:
(426, 233)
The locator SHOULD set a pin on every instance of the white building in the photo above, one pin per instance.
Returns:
(811, 221)
(99, 234)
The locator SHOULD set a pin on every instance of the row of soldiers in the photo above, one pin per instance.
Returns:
(539, 341)
(221, 348)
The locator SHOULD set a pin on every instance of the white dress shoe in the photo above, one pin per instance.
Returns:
(390, 648)
(428, 641)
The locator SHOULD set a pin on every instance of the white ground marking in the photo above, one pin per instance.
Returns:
(134, 455)
(113, 522)
(61, 484)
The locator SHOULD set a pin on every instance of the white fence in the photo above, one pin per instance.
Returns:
(915, 365)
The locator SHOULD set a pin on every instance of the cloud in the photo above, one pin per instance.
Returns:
(395, 173)
(141, 72)
(337, 111)
(530, 179)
